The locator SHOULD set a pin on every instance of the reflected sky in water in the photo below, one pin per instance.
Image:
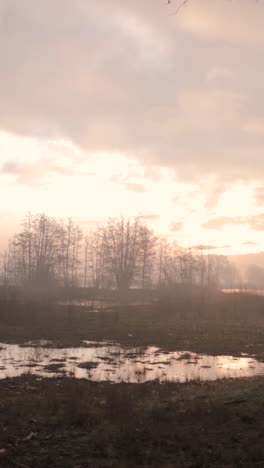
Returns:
(96, 304)
(109, 361)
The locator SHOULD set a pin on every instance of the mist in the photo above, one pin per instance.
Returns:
(48, 255)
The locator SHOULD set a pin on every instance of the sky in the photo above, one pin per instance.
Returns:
(130, 107)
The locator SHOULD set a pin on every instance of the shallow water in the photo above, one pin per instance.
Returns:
(109, 361)
(254, 292)
(100, 304)
(93, 305)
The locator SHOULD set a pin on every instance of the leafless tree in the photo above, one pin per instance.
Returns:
(119, 254)
(121, 245)
(178, 3)
(216, 269)
(96, 268)
(70, 248)
(147, 255)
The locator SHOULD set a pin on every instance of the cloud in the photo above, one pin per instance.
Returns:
(213, 192)
(176, 226)
(150, 217)
(35, 173)
(249, 243)
(219, 74)
(255, 125)
(254, 222)
(176, 199)
(259, 195)
(139, 188)
(129, 78)
(238, 22)
(129, 180)
(219, 223)
(210, 247)
(153, 174)
(204, 247)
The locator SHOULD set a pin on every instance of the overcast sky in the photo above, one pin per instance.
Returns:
(124, 106)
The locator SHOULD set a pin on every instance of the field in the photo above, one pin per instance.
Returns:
(64, 422)
(69, 423)
(230, 324)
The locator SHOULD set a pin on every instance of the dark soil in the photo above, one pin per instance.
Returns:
(231, 324)
(66, 423)
(88, 365)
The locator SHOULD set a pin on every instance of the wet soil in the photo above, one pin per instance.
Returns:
(230, 324)
(69, 423)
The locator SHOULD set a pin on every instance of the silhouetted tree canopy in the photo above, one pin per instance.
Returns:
(120, 253)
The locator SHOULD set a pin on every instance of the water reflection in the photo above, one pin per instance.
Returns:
(254, 292)
(90, 304)
(109, 361)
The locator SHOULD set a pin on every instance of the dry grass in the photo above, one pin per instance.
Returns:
(80, 423)
(231, 324)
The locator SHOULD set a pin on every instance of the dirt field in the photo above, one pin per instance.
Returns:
(68, 423)
(230, 325)
(77, 424)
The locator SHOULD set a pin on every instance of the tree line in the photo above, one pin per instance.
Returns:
(120, 254)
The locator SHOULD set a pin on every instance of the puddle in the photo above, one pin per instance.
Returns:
(98, 305)
(108, 361)
(95, 305)
(254, 292)
(38, 343)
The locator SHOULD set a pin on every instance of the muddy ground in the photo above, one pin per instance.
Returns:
(230, 325)
(69, 423)
(77, 424)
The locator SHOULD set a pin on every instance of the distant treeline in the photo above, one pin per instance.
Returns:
(119, 254)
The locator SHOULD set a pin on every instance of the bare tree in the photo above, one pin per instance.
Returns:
(178, 3)
(121, 244)
(96, 268)
(163, 261)
(121, 253)
(86, 247)
(70, 248)
(147, 255)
